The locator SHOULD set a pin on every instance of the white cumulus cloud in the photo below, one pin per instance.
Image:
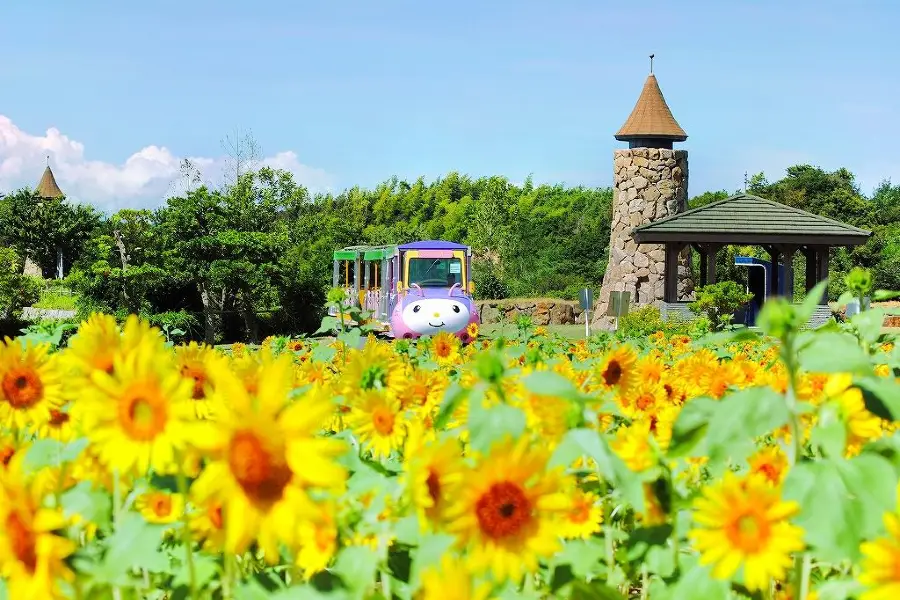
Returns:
(144, 179)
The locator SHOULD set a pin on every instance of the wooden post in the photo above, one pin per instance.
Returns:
(812, 254)
(709, 269)
(824, 254)
(789, 252)
(775, 255)
(703, 267)
(670, 292)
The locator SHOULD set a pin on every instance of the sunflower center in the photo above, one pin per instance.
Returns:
(442, 349)
(769, 470)
(262, 475)
(503, 510)
(162, 505)
(214, 512)
(22, 387)
(748, 532)
(6, 454)
(434, 485)
(58, 418)
(199, 377)
(644, 401)
(143, 414)
(383, 420)
(581, 512)
(613, 373)
(22, 541)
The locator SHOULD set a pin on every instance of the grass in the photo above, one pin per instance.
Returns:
(572, 332)
(51, 300)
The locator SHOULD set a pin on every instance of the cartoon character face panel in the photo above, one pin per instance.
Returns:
(431, 315)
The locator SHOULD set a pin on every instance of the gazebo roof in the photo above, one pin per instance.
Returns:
(748, 219)
(651, 117)
(47, 187)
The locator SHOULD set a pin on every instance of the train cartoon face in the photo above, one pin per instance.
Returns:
(422, 315)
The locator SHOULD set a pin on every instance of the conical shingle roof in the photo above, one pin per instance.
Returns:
(47, 188)
(651, 117)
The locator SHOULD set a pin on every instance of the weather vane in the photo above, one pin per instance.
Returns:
(651, 63)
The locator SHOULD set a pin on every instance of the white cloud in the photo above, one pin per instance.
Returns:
(144, 179)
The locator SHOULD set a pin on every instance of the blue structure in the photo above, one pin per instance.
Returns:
(759, 283)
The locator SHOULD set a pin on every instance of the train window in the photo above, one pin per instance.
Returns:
(435, 272)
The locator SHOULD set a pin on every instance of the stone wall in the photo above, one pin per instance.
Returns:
(649, 184)
(543, 311)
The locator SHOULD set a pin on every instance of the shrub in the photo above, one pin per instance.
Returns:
(719, 301)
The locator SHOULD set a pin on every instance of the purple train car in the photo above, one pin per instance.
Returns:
(413, 289)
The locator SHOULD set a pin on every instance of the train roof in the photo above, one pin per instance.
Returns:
(367, 252)
(433, 245)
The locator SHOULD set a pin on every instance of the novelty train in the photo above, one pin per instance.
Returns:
(410, 290)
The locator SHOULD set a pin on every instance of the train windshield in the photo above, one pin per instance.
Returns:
(435, 272)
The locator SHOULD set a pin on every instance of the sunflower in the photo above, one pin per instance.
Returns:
(32, 556)
(507, 513)
(743, 522)
(880, 560)
(376, 367)
(771, 463)
(160, 507)
(632, 445)
(264, 455)
(9, 446)
(137, 417)
(432, 474)
(59, 426)
(93, 347)
(451, 580)
(643, 399)
(317, 539)
(207, 524)
(616, 370)
(445, 349)
(472, 331)
(584, 518)
(862, 426)
(193, 362)
(376, 420)
(30, 385)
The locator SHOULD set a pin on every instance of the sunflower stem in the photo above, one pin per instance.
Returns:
(186, 530)
(645, 582)
(804, 566)
(385, 585)
(117, 501)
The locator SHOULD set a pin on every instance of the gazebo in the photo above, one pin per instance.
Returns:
(747, 220)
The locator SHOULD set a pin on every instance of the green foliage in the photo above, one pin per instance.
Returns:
(16, 290)
(646, 320)
(719, 301)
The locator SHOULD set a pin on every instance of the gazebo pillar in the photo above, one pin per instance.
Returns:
(789, 252)
(707, 262)
(823, 253)
(812, 255)
(670, 290)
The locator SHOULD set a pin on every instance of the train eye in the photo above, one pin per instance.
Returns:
(417, 308)
(455, 308)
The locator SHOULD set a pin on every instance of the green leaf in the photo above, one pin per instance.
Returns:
(868, 323)
(548, 383)
(429, 553)
(356, 566)
(582, 555)
(93, 505)
(850, 495)
(830, 432)
(833, 352)
(690, 426)
(42, 453)
(741, 417)
(839, 589)
(594, 590)
(205, 568)
(487, 426)
(587, 442)
(697, 582)
(454, 395)
(882, 396)
(134, 543)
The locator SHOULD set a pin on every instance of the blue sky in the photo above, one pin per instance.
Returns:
(360, 91)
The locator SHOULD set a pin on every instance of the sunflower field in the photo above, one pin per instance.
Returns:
(741, 464)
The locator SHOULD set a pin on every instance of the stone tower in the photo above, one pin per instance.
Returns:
(47, 189)
(650, 183)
